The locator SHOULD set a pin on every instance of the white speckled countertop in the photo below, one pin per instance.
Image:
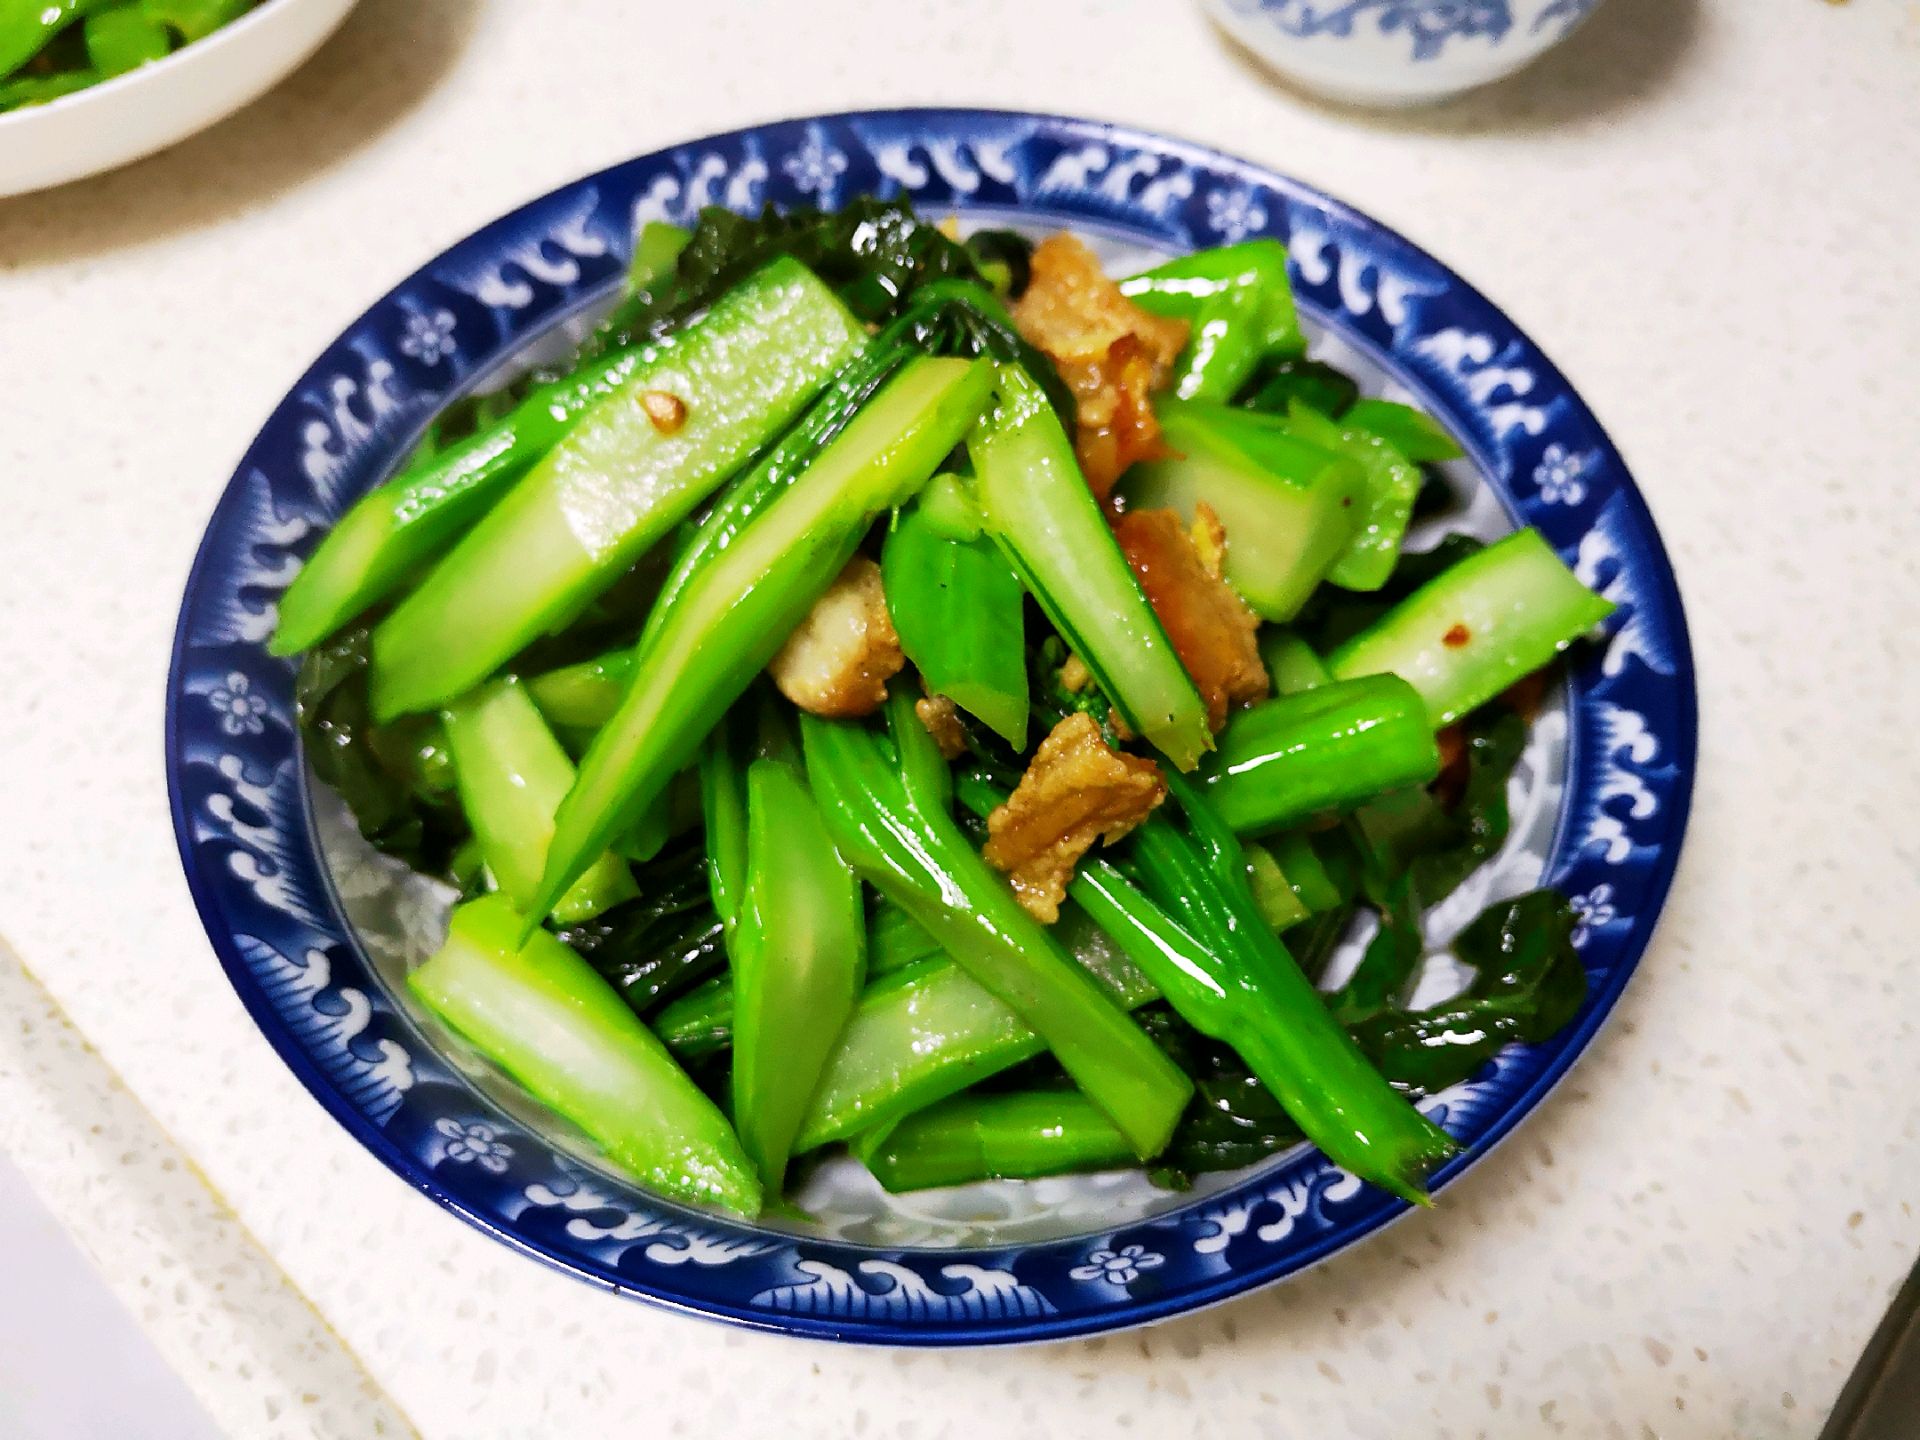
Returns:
(1703, 209)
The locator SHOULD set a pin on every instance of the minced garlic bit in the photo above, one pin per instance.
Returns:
(667, 411)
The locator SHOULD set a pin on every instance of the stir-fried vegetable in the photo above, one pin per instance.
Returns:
(1476, 628)
(959, 609)
(1035, 504)
(707, 640)
(721, 941)
(632, 466)
(887, 807)
(539, 1011)
(51, 48)
(1288, 759)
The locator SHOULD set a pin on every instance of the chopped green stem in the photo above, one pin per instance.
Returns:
(704, 645)
(384, 540)
(1036, 505)
(930, 1031)
(1291, 663)
(1393, 484)
(1290, 508)
(619, 480)
(540, 1012)
(512, 774)
(1414, 433)
(700, 1023)
(798, 950)
(1241, 308)
(896, 940)
(584, 695)
(1331, 748)
(1018, 1136)
(1466, 635)
(1273, 891)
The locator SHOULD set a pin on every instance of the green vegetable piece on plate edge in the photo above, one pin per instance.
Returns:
(1477, 627)
(540, 1012)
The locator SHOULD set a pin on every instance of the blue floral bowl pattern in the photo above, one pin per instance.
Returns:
(245, 810)
(1398, 52)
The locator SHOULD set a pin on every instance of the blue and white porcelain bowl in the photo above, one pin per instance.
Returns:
(315, 931)
(1398, 52)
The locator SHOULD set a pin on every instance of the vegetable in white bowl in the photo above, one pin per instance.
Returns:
(97, 86)
(1398, 52)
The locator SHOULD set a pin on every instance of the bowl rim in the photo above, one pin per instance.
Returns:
(166, 64)
(1680, 755)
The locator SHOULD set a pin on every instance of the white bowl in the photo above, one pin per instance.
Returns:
(161, 104)
(1398, 52)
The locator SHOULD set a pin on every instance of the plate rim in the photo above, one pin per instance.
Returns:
(1570, 1044)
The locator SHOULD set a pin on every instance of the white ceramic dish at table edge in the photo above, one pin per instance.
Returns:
(1395, 53)
(134, 115)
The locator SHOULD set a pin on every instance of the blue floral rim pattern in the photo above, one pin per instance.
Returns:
(1430, 25)
(239, 787)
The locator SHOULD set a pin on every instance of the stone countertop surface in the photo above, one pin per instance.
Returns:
(1704, 211)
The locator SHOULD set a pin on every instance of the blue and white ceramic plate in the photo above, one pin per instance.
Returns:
(315, 931)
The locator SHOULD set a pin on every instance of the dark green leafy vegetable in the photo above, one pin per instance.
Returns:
(1004, 259)
(397, 779)
(1528, 985)
(1413, 841)
(873, 253)
(1281, 383)
(662, 944)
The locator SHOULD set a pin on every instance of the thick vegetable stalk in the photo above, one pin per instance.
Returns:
(1036, 505)
(719, 629)
(1240, 304)
(1290, 509)
(959, 610)
(1480, 625)
(512, 774)
(797, 947)
(631, 468)
(1330, 748)
(394, 530)
(1235, 981)
(1393, 484)
(920, 1035)
(1016, 1136)
(887, 812)
(539, 1012)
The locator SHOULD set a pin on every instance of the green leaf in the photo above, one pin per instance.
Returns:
(398, 778)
